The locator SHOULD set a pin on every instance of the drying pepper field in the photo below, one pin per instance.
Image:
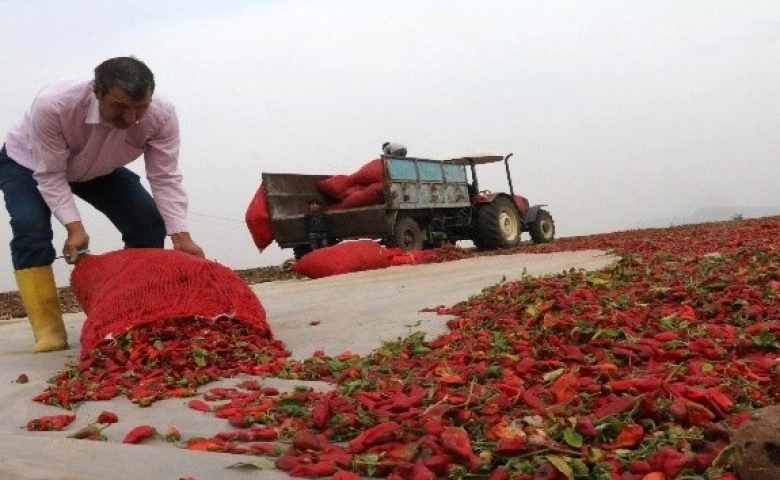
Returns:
(640, 371)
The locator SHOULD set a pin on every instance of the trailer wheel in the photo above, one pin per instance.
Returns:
(542, 230)
(498, 225)
(407, 234)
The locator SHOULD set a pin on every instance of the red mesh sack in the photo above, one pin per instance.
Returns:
(370, 195)
(342, 258)
(258, 219)
(132, 287)
(371, 172)
(335, 187)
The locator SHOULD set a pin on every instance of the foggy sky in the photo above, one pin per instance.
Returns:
(617, 113)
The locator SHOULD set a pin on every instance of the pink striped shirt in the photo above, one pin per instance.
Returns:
(62, 139)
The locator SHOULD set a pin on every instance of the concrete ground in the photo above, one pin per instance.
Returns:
(355, 312)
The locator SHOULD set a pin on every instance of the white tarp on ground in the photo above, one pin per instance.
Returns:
(355, 312)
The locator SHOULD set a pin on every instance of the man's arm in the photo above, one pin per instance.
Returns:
(161, 158)
(50, 151)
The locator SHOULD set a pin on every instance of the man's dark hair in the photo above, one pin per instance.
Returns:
(129, 73)
(314, 201)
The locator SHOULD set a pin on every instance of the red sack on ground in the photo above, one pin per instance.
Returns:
(335, 187)
(258, 219)
(139, 286)
(396, 256)
(342, 258)
(371, 172)
(370, 195)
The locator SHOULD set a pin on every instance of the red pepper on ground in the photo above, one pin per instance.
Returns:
(320, 414)
(345, 475)
(139, 434)
(50, 422)
(199, 405)
(456, 442)
(377, 434)
(319, 469)
(421, 472)
(107, 417)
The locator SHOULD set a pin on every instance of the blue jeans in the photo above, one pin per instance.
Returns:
(318, 240)
(118, 195)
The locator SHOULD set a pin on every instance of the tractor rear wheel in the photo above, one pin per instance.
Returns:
(542, 230)
(407, 234)
(498, 225)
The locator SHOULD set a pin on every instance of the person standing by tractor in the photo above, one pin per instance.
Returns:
(316, 225)
(76, 139)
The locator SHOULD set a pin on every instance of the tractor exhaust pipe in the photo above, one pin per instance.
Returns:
(508, 176)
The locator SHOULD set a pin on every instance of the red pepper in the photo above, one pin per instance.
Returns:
(405, 452)
(586, 427)
(90, 432)
(629, 436)
(641, 384)
(456, 442)
(438, 463)
(320, 414)
(307, 441)
(620, 405)
(50, 422)
(341, 458)
(261, 434)
(377, 434)
(107, 417)
(640, 467)
(139, 434)
(499, 474)
(564, 388)
(345, 475)
(669, 461)
(421, 472)
(319, 469)
(509, 447)
(534, 402)
(206, 445)
(199, 405)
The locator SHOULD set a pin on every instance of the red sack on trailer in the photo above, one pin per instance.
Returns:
(342, 258)
(370, 195)
(335, 187)
(371, 172)
(140, 286)
(258, 219)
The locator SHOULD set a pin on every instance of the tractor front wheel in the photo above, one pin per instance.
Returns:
(407, 235)
(542, 230)
(498, 225)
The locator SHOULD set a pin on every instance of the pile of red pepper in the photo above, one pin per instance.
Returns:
(639, 371)
(166, 360)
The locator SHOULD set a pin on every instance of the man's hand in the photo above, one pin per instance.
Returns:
(77, 240)
(183, 242)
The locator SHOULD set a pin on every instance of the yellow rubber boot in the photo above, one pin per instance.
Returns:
(39, 297)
